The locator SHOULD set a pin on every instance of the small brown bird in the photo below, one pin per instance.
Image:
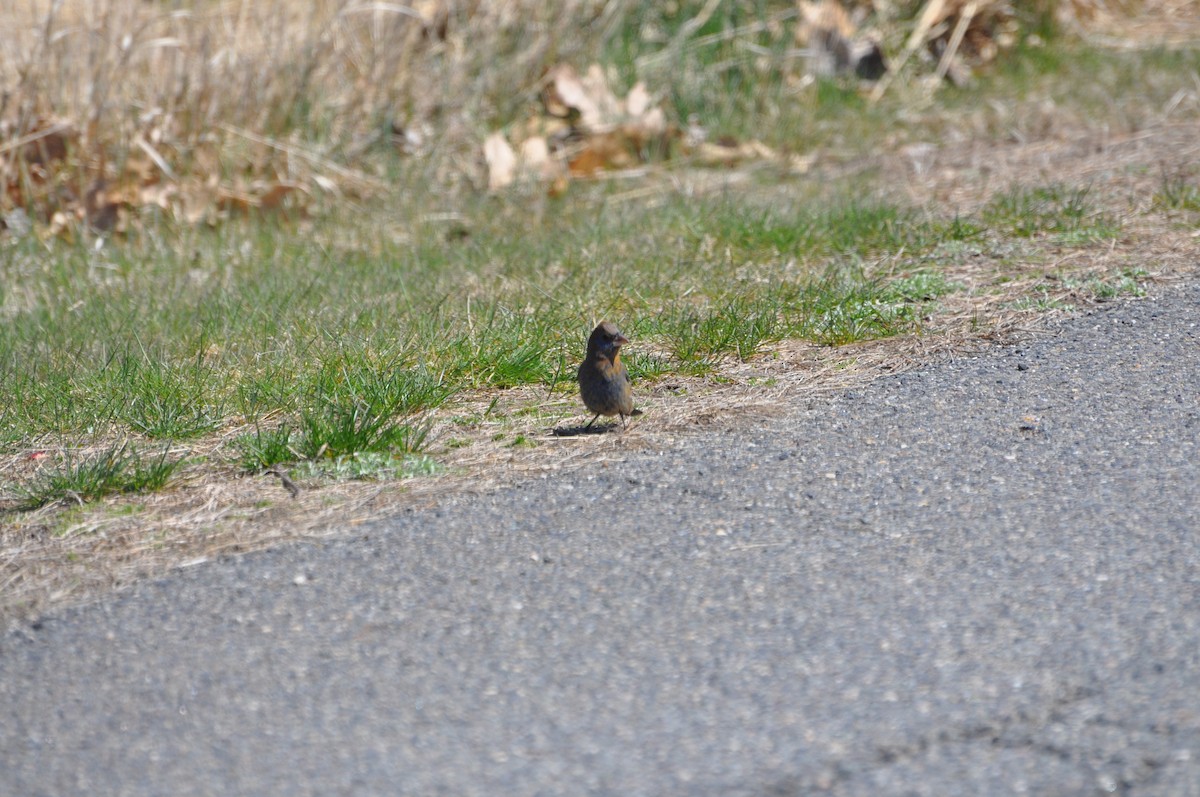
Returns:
(603, 380)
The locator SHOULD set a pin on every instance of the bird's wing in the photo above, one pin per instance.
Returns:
(623, 373)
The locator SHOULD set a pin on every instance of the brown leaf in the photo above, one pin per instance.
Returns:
(273, 197)
(587, 129)
(587, 163)
(617, 149)
(229, 199)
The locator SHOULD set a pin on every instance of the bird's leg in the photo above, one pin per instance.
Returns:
(593, 420)
(622, 420)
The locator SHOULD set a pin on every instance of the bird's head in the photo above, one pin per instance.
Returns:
(607, 340)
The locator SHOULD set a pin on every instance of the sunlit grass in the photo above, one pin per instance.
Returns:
(1070, 214)
(118, 469)
(333, 350)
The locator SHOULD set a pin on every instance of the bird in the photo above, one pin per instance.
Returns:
(603, 381)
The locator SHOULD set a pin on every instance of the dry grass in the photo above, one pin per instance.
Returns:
(185, 69)
(207, 108)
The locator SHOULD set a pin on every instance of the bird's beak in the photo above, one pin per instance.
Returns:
(621, 340)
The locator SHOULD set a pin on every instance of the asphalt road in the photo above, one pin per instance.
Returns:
(980, 578)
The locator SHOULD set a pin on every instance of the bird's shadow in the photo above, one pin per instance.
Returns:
(575, 431)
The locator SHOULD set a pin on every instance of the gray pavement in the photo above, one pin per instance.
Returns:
(979, 578)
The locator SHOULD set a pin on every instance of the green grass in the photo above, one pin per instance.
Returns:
(340, 343)
(341, 429)
(1090, 287)
(265, 448)
(726, 84)
(739, 327)
(163, 400)
(347, 337)
(119, 469)
(1178, 192)
(852, 307)
(921, 286)
(337, 338)
(1128, 282)
(1067, 214)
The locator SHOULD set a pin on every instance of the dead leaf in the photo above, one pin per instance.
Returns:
(586, 129)
(587, 163)
(62, 225)
(272, 198)
(637, 101)
(591, 102)
(501, 161)
(588, 97)
(156, 195)
(535, 160)
(229, 199)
